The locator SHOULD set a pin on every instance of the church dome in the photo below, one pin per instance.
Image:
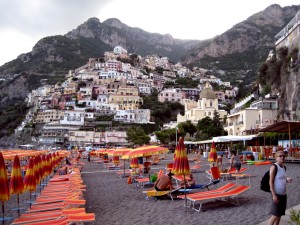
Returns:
(207, 93)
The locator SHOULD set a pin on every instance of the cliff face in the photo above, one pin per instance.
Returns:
(256, 32)
(289, 99)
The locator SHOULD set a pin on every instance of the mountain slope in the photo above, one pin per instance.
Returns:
(241, 49)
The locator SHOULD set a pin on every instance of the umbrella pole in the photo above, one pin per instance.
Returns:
(185, 192)
(124, 167)
(3, 219)
(18, 200)
(30, 199)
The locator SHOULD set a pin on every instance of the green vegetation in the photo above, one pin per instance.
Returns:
(162, 112)
(294, 217)
(182, 83)
(137, 136)
(12, 116)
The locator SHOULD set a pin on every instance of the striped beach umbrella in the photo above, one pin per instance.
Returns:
(134, 163)
(212, 157)
(120, 152)
(16, 184)
(4, 190)
(30, 178)
(116, 160)
(181, 163)
(144, 151)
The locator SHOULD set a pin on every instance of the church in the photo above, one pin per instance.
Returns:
(206, 105)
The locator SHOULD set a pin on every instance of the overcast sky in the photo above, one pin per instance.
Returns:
(24, 22)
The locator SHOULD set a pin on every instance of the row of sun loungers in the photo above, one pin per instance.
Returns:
(59, 203)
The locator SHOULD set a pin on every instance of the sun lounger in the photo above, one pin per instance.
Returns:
(81, 217)
(231, 194)
(154, 193)
(221, 189)
(195, 168)
(52, 221)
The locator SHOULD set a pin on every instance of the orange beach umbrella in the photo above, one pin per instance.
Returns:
(181, 163)
(30, 178)
(16, 185)
(144, 151)
(120, 152)
(212, 157)
(134, 163)
(4, 190)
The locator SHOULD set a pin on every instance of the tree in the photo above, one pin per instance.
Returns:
(137, 136)
(187, 127)
(208, 128)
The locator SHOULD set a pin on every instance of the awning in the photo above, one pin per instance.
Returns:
(233, 138)
(283, 127)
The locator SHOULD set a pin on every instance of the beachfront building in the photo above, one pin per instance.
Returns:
(248, 121)
(206, 106)
(116, 138)
(81, 137)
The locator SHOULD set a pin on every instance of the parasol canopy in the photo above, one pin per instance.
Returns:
(181, 163)
(16, 185)
(212, 157)
(119, 151)
(144, 151)
(4, 190)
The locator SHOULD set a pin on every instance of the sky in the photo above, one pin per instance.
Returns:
(24, 22)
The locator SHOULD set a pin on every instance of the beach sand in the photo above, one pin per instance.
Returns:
(115, 202)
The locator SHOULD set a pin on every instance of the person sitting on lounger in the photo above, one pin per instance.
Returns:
(164, 182)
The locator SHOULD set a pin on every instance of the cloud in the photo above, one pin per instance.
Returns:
(47, 16)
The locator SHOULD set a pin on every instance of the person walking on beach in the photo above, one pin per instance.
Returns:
(278, 181)
(235, 161)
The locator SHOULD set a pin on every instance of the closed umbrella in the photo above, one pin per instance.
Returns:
(116, 160)
(181, 163)
(4, 190)
(212, 157)
(16, 184)
(134, 164)
(30, 178)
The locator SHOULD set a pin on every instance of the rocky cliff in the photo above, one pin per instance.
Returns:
(245, 45)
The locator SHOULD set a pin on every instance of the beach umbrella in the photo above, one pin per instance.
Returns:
(181, 163)
(16, 185)
(144, 151)
(116, 160)
(212, 157)
(4, 190)
(120, 152)
(134, 164)
(30, 178)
